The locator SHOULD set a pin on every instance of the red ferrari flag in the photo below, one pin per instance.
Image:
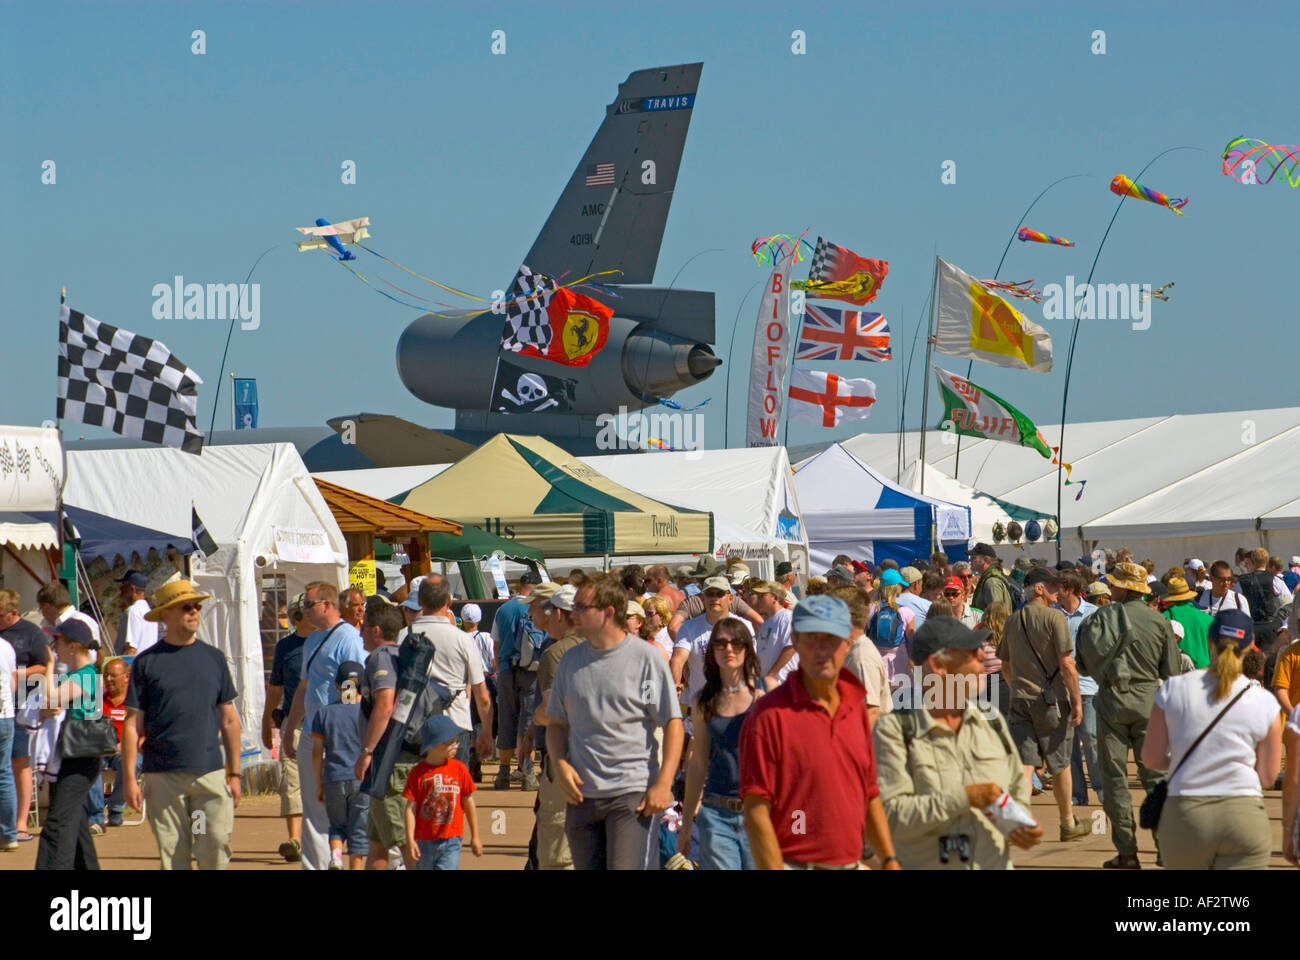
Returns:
(838, 273)
(554, 323)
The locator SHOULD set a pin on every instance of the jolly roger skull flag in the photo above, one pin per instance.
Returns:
(521, 391)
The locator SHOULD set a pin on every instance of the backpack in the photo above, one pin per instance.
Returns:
(1265, 605)
(531, 640)
(433, 698)
(886, 628)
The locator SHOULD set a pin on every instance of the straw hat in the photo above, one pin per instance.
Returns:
(1178, 590)
(173, 594)
(1130, 576)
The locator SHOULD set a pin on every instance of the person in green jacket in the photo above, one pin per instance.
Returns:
(1196, 622)
(992, 585)
(1129, 649)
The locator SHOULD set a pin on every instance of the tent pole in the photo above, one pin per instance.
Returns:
(925, 374)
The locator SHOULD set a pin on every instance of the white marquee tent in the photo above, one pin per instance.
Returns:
(273, 531)
(31, 476)
(1167, 487)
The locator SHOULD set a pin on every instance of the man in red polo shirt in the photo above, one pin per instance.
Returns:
(807, 770)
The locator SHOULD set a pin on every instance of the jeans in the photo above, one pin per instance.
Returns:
(117, 796)
(95, 801)
(439, 854)
(8, 793)
(724, 845)
(607, 833)
(65, 842)
(1085, 750)
(348, 810)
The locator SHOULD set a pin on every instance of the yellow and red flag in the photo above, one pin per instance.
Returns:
(975, 322)
(837, 273)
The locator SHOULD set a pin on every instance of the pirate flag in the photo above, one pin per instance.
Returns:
(521, 391)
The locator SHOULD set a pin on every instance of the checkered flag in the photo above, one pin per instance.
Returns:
(526, 321)
(131, 384)
(823, 256)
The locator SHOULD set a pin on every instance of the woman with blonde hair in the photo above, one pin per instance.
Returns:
(995, 621)
(655, 626)
(890, 626)
(1214, 817)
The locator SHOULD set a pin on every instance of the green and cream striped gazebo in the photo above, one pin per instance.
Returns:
(528, 489)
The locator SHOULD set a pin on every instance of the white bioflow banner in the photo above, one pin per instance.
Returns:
(771, 357)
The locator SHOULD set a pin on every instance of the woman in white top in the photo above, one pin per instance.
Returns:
(1214, 818)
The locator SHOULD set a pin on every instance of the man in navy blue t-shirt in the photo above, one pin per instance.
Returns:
(286, 672)
(180, 699)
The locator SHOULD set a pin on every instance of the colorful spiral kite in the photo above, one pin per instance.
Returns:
(1246, 160)
(1025, 234)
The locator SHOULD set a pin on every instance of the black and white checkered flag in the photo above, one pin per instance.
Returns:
(526, 321)
(823, 254)
(199, 534)
(131, 384)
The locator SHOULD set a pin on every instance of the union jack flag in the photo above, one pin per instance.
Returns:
(832, 334)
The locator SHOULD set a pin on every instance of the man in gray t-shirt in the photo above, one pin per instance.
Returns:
(609, 697)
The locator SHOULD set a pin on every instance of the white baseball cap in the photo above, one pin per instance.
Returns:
(412, 601)
(471, 613)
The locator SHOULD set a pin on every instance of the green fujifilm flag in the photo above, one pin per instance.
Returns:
(974, 412)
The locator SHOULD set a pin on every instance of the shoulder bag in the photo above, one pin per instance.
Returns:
(1154, 804)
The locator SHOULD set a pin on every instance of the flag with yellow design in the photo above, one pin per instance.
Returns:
(975, 322)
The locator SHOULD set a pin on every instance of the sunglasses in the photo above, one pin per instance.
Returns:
(191, 607)
(308, 604)
(714, 594)
(724, 642)
(584, 606)
(952, 593)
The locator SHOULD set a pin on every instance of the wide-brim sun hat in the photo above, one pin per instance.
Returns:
(1129, 576)
(173, 594)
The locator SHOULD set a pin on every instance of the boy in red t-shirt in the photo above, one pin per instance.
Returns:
(437, 790)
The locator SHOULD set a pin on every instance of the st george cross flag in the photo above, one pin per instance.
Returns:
(837, 273)
(131, 384)
(972, 411)
(975, 322)
(828, 399)
(832, 334)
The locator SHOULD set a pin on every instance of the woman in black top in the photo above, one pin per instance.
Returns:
(732, 685)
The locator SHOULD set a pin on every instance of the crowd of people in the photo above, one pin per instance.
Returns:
(877, 716)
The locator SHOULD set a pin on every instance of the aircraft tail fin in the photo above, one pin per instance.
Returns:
(612, 212)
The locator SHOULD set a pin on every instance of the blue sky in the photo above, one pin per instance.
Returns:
(170, 163)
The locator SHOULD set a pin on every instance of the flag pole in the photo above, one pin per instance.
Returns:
(731, 352)
(925, 378)
(997, 274)
(1074, 336)
(229, 333)
(794, 346)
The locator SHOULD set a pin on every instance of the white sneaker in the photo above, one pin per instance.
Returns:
(336, 861)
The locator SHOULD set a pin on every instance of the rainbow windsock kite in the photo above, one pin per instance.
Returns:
(1124, 187)
(1026, 234)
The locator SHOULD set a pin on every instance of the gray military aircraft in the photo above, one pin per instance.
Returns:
(611, 216)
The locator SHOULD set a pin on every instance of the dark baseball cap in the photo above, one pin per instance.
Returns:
(528, 576)
(945, 633)
(839, 575)
(137, 578)
(1065, 566)
(784, 568)
(348, 670)
(1232, 625)
(1041, 575)
(76, 631)
(982, 550)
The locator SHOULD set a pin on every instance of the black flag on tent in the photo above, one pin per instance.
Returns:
(203, 541)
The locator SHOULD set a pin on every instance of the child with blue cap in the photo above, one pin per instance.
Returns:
(439, 800)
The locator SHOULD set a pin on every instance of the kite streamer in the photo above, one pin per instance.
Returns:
(765, 249)
(1245, 160)
(674, 405)
(1068, 469)
(1025, 234)
(1124, 187)
(1021, 289)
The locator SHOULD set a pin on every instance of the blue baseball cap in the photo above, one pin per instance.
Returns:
(137, 578)
(821, 614)
(438, 730)
(892, 577)
(1232, 625)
